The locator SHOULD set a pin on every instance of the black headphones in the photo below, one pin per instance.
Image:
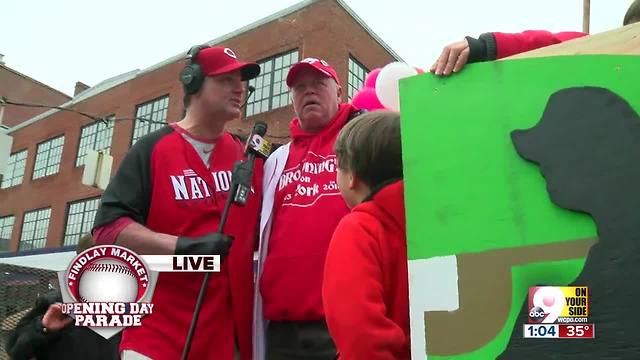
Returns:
(191, 76)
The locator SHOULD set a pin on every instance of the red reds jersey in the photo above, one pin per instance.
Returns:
(164, 185)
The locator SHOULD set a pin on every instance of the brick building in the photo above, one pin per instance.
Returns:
(42, 201)
(21, 88)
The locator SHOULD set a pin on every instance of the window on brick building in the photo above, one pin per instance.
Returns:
(154, 110)
(34, 229)
(271, 86)
(48, 156)
(15, 170)
(96, 136)
(6, 227)
(357, 74)
(80, 216)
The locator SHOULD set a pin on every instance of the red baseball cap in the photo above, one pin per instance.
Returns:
(318, 65)
(218, 60)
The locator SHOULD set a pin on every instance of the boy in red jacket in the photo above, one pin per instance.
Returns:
(365, 289)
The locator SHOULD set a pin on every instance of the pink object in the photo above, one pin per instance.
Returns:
(367, 99)
(420, 71)
(370, 80)
(548, 300)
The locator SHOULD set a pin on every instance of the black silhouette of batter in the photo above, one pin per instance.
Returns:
(587, 146)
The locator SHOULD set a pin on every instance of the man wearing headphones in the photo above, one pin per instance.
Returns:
(167, 198)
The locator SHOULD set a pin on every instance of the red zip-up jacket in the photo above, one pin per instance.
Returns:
(498, 45)
(365, 290)
(307, 208)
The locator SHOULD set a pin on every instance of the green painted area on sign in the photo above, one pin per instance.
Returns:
(466, 188)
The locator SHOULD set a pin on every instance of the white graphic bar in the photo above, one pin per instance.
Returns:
(183, 263)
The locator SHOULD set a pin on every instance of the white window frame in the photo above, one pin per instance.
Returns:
(95, 136)
(6, 229)
(155, 110)
(35, 226)
(357, 73)
(48, 157)
(80, 217)
(15, 169)
(271, 85)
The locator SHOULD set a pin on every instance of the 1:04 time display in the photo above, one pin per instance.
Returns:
(541, 331)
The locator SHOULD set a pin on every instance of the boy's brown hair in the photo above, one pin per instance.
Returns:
(633, 14)
(369, 146)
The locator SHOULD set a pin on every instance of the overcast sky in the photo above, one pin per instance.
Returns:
(59, 42)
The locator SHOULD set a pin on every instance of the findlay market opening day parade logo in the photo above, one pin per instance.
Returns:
(106, 288)
(109, 287)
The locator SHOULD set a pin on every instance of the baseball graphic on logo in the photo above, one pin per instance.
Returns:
(108, 274)
(108, 280)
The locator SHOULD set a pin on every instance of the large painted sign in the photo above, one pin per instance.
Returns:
(518, 174)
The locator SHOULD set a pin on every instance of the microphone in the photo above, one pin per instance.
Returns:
(256, 143)
(249, 93)
(256, 146)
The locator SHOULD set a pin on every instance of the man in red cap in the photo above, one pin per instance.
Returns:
(301, 208)
(167, 198)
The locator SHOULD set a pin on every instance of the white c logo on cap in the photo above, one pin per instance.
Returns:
(309, 60)
(230, 53)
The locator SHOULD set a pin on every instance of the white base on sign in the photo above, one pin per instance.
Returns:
(433, 286)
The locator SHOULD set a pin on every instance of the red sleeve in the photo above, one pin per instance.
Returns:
(107, 234)
(511, 44)
(352, 294)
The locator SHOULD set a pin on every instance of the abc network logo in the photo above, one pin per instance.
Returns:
(537, 315)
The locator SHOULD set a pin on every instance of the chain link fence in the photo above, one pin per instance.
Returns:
(19, 288)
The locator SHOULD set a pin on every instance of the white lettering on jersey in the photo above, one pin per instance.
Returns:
(310, 180)
(179, 187)
(222, 180)
(193, 187)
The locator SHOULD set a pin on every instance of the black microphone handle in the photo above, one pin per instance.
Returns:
(242, 177)
(205, 280)
(249, 93)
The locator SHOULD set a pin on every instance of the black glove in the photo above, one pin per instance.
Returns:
(210, 244)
